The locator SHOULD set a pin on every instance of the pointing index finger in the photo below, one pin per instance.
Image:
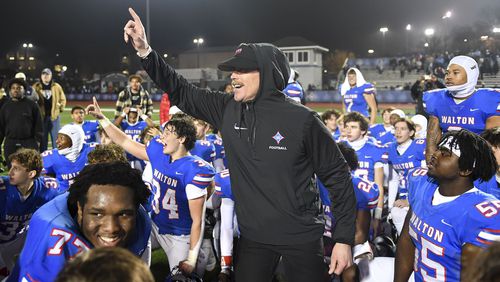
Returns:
(134, 15)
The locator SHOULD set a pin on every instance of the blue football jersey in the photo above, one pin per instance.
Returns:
(336, 133)
(64, 169)
(90, 128)
(171, 207)
(490, 187)
(368, 155)
(223, 185)
(377, 130)
(440, 231)
(134, 132)
(15, 212)
(54, 237)
(402, 164)
(471, 114)
(294, 90)
(386, 138)
(205, 150)
(355, 101)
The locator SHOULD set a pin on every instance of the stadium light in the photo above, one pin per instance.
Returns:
(426, 44)
(384, 30)
(484, 37)
(408, 27)
(198, 41)
(465, 40)
(447, 15)
(371, 51)
(429, 32)
(165, 55)
(496, 30)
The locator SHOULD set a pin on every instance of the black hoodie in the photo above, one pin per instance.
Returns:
(274, 147)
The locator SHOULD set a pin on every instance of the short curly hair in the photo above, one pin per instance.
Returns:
(28, 158)
(112, 173)
(107, 153)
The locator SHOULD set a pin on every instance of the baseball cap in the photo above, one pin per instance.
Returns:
(20, 75)
(47, 71)
(244, 59)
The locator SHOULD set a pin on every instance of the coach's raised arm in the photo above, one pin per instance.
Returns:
(274, 147)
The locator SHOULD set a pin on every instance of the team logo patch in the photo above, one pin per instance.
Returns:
(278, 137)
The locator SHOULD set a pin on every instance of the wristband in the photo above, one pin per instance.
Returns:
(362, 251)
(144, 117)
(123, 115)
(192, 257)
(146, 53)
(378, 213)
(104, 122)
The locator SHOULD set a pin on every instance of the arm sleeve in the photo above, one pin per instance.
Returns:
(119, 104)
(226, 227)
(331, 168)
(199, 103)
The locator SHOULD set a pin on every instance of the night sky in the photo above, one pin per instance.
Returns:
(88, 34)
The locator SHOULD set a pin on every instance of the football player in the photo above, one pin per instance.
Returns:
(449, 220)
(70, 156)
(180, 181)
(22, 192)
(102, 209)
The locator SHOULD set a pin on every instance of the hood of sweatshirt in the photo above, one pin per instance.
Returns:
(274, 73)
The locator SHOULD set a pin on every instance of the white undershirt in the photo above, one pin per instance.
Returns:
(438, 199)
(403, 147)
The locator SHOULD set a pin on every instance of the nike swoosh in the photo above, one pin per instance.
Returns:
(178, 173)
(446, 223)
(473, 110)
(410, 156)
(239, 128)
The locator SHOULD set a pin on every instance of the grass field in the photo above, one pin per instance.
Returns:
(159, 264)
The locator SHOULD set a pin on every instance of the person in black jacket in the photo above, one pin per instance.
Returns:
(20, 120)
(274, 148)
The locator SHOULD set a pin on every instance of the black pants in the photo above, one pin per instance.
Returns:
(12, 145)
(301, 262)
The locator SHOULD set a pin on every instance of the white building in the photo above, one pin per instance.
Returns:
(306, 57)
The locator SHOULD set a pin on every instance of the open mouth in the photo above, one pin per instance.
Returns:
(237, 85)
(109, 241)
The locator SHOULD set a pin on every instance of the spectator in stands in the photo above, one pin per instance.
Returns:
(29, 93)
(134, 96)
(20, 120)
(52, 101)
(424, 83)
(359, 95)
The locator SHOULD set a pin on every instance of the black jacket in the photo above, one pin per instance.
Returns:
(20, 120)
(276, 202)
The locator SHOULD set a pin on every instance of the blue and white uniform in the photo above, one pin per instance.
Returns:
(90, 128)
(353, 97)
(471, 114)
(64, 169)
(370, 156)
(294, 90)
(134, 132)
(54, 237)
(440, 231)
(175, 183)
(205, 150)
(16, 212)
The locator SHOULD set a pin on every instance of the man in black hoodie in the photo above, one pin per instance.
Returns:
(274, 147)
